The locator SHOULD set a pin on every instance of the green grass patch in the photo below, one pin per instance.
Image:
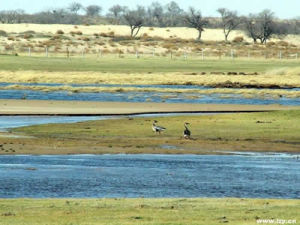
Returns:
(237, 131)
(145, 211)
(132, 65)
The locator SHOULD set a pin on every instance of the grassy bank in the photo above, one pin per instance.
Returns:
(145, 211)
(133, 65)
(247, 93)
(270, 131)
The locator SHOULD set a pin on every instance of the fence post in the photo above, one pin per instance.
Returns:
(137, 54)
(232, 54)
(82, 53)
(280, 55)
(46, 51)
(185, 56)
(171, 54)
(29, 51)
(153, 52)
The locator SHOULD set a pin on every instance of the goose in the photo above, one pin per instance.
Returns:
(186, 132)
(156, 128)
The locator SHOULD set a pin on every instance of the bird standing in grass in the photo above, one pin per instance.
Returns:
(156, 128)
(186, 132)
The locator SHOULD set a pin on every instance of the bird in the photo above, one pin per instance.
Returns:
(156, 128)
(186, 132)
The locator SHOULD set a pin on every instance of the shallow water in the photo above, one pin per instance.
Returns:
(20, 121)
(255, 176)
(168, 97)
(7, 122)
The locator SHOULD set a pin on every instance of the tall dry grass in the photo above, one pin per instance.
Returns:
(281, 77)
(174, 32)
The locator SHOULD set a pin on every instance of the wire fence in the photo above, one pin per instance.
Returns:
(185, 55)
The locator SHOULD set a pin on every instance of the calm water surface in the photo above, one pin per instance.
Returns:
(253, 176)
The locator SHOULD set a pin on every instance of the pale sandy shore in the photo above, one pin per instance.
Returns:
(40, 107)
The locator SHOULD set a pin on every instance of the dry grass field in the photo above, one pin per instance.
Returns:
(113, 39)
(122, 30)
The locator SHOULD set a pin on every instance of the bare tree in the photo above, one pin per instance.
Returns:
(93, 10)
(229, 21)
(174, 14)
(252, 27)
(12, 16)
(194, 19)
(262, 26)
(116, 12)
(156, 14)
(135, 19)
(74, 7)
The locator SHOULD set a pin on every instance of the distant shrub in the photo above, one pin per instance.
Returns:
(271, 43)
(75, 32)
(169, 46)
(146, 37)
(282, 43)
(105, 51)
(59, 32)
(3, 33)
(238, 39)
(27, 36)
(11, 38)
(29, 32)
(100, 43)
(109, 34)
(55, 37)
(76, 27)
(85, 39)
(168, 30)
(9, 47)
(151, 28)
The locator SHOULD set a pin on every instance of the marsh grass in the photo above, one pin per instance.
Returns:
(249, 93)
(269, 131)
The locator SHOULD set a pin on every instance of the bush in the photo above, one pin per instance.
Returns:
(11, 38)
(9, 47)
(121, 38)
(110, 34)
(29, 32)
(75, 32)
(59, 32)
(3, 33)
(238, 39)
(27, 36)
(283, 43)
(271, 43)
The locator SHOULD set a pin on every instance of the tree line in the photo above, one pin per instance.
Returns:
(260, 26)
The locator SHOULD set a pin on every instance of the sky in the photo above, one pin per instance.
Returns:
(284, 9)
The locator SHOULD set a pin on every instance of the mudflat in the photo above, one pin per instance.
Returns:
(48, 107)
